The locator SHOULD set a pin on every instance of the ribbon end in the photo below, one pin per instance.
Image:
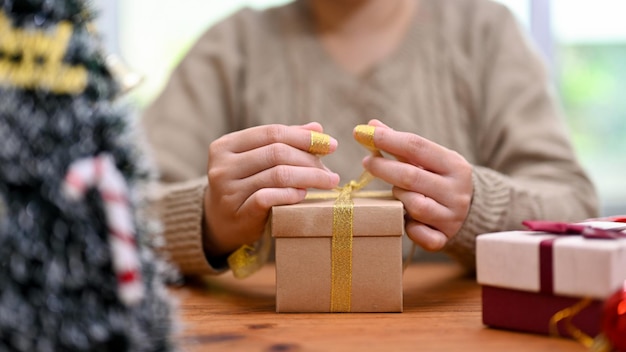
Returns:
(247, 260)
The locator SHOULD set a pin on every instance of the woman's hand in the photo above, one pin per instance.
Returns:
(252, 170)
(433, 182)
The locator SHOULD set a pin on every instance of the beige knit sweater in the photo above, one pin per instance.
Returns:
(464, 76)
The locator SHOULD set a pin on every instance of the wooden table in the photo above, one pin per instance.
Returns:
(442, 312)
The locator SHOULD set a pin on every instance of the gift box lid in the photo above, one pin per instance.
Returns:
(580, 267)
(314, 218)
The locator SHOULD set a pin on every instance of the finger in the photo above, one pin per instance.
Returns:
(425, 236)
(423, 209)
(285, 176)
(369, 138)
(364, 134)
(264, 199)
(268, 156)
(320, 143)
(409, 177)
(255, 137)
(413, 149)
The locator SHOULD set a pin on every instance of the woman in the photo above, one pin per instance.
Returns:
(477, 139)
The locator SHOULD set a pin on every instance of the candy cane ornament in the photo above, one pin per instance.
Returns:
(100, 172)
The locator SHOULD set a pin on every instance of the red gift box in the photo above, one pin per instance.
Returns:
(532, 312)
(532, 280)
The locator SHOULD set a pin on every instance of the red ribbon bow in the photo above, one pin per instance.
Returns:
(564, 228)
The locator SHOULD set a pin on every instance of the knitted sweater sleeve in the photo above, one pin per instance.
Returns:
(198, 104)
(527, 168)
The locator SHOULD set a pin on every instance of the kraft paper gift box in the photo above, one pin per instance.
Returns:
(303, 245)
(528, 277)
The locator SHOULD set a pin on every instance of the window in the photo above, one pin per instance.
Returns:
(590, 53)
(158, 33)
(521, 9)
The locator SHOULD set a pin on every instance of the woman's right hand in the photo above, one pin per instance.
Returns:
(252, 170)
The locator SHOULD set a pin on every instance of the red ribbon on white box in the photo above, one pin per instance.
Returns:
(546, 269)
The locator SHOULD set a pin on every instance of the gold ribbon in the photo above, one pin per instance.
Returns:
(598, 344)
(320, 143)
(341, 246)
(566, 315)
(601, 344)
(341, 254)
(247, 260)
(343, 218)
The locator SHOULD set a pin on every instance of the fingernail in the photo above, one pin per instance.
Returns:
(382, 123)
(438, 241)
(364, 134)
(333, 178)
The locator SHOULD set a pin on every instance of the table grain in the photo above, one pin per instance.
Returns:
(442, 312)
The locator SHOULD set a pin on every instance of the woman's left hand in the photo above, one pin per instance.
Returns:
(434, 184)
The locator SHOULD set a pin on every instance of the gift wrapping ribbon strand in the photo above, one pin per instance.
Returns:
(342, 236)
(546, 271)
(247, 260)
(341, 246)
(566, 315)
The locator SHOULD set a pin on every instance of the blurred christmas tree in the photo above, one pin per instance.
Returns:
(77, 267)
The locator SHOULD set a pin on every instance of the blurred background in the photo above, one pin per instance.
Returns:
(583, 43)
